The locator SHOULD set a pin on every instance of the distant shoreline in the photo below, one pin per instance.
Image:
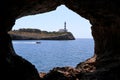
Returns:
(36, 34)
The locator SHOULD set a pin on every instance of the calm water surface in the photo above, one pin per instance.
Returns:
(52, 53)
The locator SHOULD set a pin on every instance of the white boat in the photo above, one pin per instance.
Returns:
(38, 42)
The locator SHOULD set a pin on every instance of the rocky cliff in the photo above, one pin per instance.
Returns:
(42, 35)
(104, 16)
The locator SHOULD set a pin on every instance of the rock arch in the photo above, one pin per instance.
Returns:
(104, 17)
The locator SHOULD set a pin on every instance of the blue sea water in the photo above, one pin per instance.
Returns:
(54, 53)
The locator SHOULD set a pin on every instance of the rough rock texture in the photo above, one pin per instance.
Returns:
(62, 73)
(13, 66)
(104, 15)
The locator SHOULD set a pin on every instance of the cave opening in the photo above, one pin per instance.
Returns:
(82, 49)
(104, 17)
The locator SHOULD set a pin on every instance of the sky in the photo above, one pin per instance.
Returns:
(54, 20)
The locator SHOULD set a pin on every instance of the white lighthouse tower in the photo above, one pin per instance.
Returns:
(64, 29)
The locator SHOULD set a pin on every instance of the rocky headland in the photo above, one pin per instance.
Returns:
(36, 34)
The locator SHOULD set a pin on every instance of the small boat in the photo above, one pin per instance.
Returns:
(38, 42)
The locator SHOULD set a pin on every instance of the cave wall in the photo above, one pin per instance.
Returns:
(102, 14)
(104, 17)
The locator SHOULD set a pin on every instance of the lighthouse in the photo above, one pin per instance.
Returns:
(64, 25)
(65, 29)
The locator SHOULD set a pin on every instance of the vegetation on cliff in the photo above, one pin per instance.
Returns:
(36, 34)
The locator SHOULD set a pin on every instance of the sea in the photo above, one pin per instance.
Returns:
(47, 54)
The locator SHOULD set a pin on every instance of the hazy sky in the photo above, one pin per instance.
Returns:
(54, 20)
